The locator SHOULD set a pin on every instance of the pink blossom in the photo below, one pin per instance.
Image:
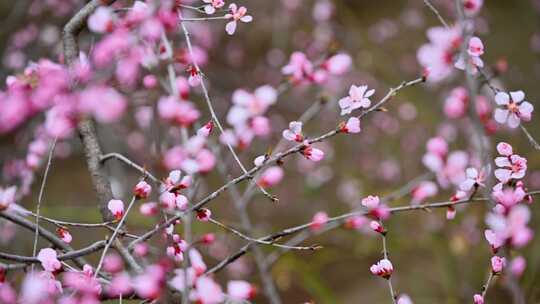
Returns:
(358, 98)
(299, 67)
(473, 64)
(474, 179)
(208, 291)
(176, 182)
(150, 81)
(212, 5)
(64, 235)
(206, 161)
(476, 47)
(338, 64)
(514, 108)
(208, 238)
(113, 263)
(437, 56)
(271, 177)
(116, 207)
(377, 227)
(355, 222)
(142, 190)
(175, 253)
(249, 105)
(204, 214)
(197, 262)
(478, 299)
(105, 103)
(7, 197)
(404, 299)
(517, 266)
(504, 149)
(494, 241)
(236, 14)
(148, 209)
(260, 126)
(49, 262)
(140, 249)
(510, 167)
(313, 154)
(375, 207)
(352, 126)
(509, 197)
(240, 290)
(148, 284)
(424, 190)
(472, 7)
(168, 200)
(497, 264)
(455, 105)
(383, 268)
(120, 285)
(206, 129)
(181, 202)
(101, 21)
(319, 220)
(294, 133)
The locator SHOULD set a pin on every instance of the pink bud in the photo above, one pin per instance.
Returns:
(478, 299)
(517, 266)
(117, 208)
(49, 262)
(208, 238)
(319, 220)
(504, 149)
(338, 64)
(149, 209)
(352, 126)
(241, 290)
(206, 129)
(181, 202)
(168, 200)
(313, 154)
(377, 227)
(497, 264)
(271, 177)
(64, 235)
(150, 81)
(142, 190)
(113, 263)
(140, 249)
(383, 268)
(204, 214)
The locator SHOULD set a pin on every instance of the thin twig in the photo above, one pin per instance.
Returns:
(436, 12)
(531, 139)
(40, 196)
(342, 218)
(130, 163)
(111, 240)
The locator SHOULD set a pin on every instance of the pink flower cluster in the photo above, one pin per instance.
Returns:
(246, 116)
(302, 71)
(448, 167)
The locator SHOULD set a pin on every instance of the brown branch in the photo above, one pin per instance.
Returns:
(46, 234)
(86, 127)
(62, 257)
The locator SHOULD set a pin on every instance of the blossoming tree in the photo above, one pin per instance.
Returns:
(136, 86)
